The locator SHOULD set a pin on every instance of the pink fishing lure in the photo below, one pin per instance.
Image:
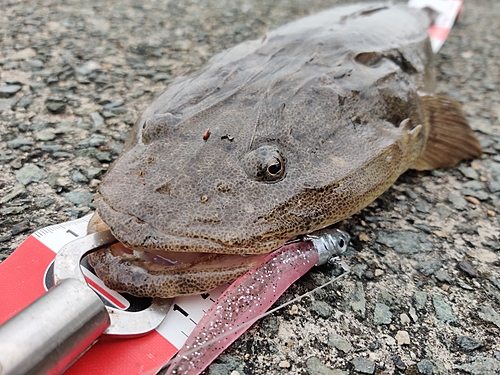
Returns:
(252, 295)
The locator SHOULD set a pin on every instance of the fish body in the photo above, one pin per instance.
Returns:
(273, 139)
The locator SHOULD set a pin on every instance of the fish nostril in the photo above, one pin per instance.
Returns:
(370, 59)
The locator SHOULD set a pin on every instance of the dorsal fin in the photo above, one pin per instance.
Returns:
(450, 138)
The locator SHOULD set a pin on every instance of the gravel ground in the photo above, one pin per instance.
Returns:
(75, 75)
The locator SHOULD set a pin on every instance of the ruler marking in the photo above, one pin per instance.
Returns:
(181, 310)
(73, 233)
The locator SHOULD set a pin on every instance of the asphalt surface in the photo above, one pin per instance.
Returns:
(424, 294)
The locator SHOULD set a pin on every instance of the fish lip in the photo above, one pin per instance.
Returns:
(127, 228)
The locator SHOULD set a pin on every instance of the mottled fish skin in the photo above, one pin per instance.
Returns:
(324, 96)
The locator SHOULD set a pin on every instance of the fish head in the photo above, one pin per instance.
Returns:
(243, 172)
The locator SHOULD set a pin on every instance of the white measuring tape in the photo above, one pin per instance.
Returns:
(26, 275)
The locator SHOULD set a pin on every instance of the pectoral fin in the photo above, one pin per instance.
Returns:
(450, 138)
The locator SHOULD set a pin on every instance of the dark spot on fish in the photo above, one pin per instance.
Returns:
(165, 188)
(223, 188)
(228, 137)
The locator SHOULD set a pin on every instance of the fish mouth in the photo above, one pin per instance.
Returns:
(149, 271)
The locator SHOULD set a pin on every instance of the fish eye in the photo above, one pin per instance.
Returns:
(265, 163)
(341, 243)
(274, 169)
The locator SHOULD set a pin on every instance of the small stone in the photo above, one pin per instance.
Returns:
(483, 255)
(405, 242)
(93, 172)
(9, 90)
(227, 365)
(78, 176)
(488, 314)
(45, 135)
(56, 107)
(378, 272)
(443, 210)
(464, 285)
(419, 299)
(425, 367)
(23, 54)
(423, 207)
(442, 275)
(413, 314)
(321, 308)
(25, 102)
(95, 140)
(468, 344)
(473, 200)
(7, 103)
(402, 338)
(43, 202)
(458, 202)
(103, 156)
(387, 298)
(161, 77)
(63, 128)
(405, 319)
(16, 191)
(469, 172)
(294, 310)
(375, 345)
(491, 213)
(494, 186)
(363, 237)
(20, 227)
(357, 300)
(37, 86)
(398, 362)
(12, 210)
(35, 63)
(472, 185)
(359, 270)
(493, 245)
(97, 120)
(19, 142)
(443, 310)
(314, 366)
(480, 366)
(79, 198)
(30, 173)
(338, 342)
(467, 268)
(382, 314)
(363, 365)
(284, 364)
(428, 267)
